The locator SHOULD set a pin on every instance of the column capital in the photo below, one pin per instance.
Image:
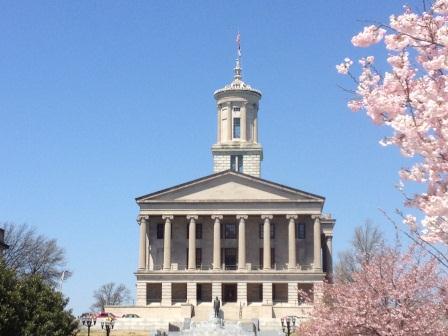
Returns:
(142, 219)
(220, 217)
(242, 216)
(267, 217)
(190, 217)
(315, 216)
(292, 217)
(165, 217)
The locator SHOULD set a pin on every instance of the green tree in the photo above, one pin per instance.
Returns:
(30, 307)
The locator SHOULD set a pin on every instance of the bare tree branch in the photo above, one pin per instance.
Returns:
(110, 294)
(367, 242)
(30, 253)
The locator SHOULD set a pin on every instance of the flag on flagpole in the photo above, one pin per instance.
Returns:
(238, 42)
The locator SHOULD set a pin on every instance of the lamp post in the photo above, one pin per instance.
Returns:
(108, 325)
(88, 320)
(288, 325)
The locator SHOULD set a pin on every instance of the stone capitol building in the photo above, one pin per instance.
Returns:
(250, 242)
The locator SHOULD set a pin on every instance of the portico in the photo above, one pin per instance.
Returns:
(216, 239)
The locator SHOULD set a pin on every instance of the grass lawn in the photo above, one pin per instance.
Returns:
(114, 333)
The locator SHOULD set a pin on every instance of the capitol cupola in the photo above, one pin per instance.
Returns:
(237, 146)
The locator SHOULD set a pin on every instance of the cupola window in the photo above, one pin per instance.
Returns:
(236, 163)
(236, 128)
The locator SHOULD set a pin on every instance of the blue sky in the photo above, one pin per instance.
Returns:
(104, 101)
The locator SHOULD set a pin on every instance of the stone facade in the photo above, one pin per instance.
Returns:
(237, 144)
(250, 242)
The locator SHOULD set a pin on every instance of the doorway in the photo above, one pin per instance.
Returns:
(229, 292)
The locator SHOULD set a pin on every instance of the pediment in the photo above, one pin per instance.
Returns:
(229, 186)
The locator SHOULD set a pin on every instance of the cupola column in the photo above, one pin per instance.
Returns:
(229, 122)
(255, 123)
(243, 117)
(218, 131)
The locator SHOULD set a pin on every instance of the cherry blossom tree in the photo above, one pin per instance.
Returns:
(393, 294)
(411, 98)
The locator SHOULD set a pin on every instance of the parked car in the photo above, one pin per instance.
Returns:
(130, 316)
(106, 314)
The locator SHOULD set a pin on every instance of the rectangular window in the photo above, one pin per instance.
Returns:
(300, 231)
(236, 109)
(160, 229)
(198, 230)
(261, 231)
(236, 128)
(229, 231)
(236, 163)
(198, 257)
(229, 258)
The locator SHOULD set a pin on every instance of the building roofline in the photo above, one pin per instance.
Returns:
(225, 172)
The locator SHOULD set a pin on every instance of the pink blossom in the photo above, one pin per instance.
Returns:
(411, 98)
(344, 67)
(354, 105)
(370, 35)
(393, 294)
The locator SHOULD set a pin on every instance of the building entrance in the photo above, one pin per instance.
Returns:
(229, 293)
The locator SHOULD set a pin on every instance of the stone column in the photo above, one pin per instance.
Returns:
(167, 243)
(293, 293)
(217, 291)
(266, 241)
(267, 293)
(219, 126)
(329, 255)
(141, 293)
(243, 119)
(191, 293)
(192, 242)
(255, 131)
(166, 294)
(317, 244)
(292, 264)
(217, 242)
(229, 122)
(241, 241)
(142, 247)
(242, 293)
(318, 291)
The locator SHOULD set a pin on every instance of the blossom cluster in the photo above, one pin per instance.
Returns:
(393, 294)
(412, 99)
